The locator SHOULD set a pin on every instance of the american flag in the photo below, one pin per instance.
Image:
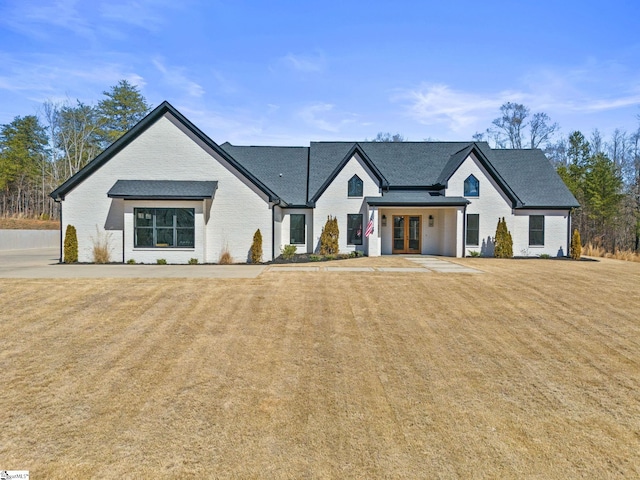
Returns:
(369, 230)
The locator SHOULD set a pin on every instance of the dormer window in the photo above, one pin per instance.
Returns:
(471, 187)
(355, 187)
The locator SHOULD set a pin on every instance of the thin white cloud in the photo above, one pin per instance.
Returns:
(176, 77)
(29, 18)
(432, 104)
(324, 116)
(145, 14)
(303, 63)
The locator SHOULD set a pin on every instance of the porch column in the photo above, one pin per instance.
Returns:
(373, 241)
(459, 231)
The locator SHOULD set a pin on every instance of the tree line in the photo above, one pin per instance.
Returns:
(40, 152)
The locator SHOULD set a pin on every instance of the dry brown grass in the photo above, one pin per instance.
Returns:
(101, 247)
(519, 372)
(225, 257)
(591, 250)
(11, 223)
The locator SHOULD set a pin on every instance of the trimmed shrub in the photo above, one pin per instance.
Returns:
(576, 245)
(545, 256)
(256, 247)
(329, 237)
(131, 261)
(161, 261)
(503, 241)
(193, 261)
(70, 245)
(289, 251)
(474, 253)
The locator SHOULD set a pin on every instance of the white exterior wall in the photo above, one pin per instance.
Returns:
(556, 225)
(490, 205)
(167, 151)
(285, 234)
(335, 201)
(493, 204)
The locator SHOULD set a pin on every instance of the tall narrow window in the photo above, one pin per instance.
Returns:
(471, 187)
(296, 229)
(355, 187)
(164, 227)
(536, 230)
(473, 229)
(354, 229)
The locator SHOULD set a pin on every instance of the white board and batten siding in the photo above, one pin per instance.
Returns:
(492, 204)
(168, 151)
(335, 201)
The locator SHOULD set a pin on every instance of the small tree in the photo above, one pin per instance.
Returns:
(576, 245)
(256, 247)
(329, 237)
(504, 241)
(70, 245)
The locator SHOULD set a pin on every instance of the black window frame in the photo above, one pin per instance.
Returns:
(536, 230)
(158, 229)
(355, 187)
(476, 230)
(293, 240)
(355, 238)
(467, 181)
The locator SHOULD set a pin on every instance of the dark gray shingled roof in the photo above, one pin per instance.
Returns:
(281, 169)
(415, 198)
(532, 177)
(162, 189)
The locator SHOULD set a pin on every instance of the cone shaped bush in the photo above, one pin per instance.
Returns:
(70, 245)
(503, 240)
(256, 247)
(329, 237)
(576, 245)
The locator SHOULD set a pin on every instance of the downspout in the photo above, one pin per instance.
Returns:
(273, 232)
(61, 239)
(569, 221)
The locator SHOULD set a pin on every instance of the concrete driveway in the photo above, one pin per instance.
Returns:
(43, 263)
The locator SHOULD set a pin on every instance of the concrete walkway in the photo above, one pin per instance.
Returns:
(43, 263)
(424, 264)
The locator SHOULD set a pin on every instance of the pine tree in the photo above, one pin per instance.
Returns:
(70, 245)
(256, 247)
(121, 110)
(576, 245)
(329, 237)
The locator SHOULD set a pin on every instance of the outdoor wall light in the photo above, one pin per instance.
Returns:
(384, 220)
(431, 220)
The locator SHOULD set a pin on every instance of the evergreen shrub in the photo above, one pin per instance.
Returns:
(329, 237)
(256, 247)
(576, 245)
(70, 245)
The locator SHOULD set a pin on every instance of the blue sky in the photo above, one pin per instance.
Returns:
(287, 72)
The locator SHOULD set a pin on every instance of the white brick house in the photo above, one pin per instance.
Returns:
(166, 190)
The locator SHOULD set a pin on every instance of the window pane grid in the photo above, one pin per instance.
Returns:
(164, 227)
(355, 187)
(473, 229)
(296, 229)
(354, 229)
(536, 230)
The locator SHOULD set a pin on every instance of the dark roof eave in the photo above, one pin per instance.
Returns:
(546, 207)
(160, 197)
(59, 193)
(375, 203)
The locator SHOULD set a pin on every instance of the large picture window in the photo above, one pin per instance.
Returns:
(473, 229)
(536, 230)
(354, 229)
(471, 187)
(164, 227)
(296, 229)
(355, 187)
